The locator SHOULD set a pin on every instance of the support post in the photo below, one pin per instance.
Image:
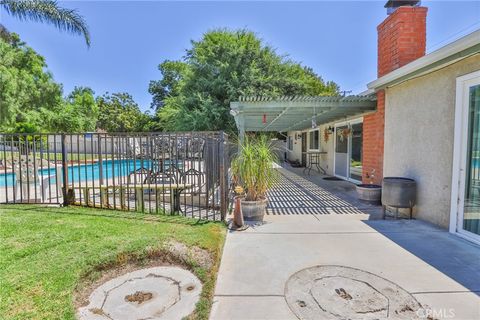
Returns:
(100, 158)
(223, 176)
(66, 201)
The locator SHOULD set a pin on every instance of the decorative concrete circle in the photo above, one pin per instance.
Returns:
(337, 292)
(153, 293)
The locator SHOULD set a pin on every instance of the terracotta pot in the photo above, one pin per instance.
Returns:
(237, 212)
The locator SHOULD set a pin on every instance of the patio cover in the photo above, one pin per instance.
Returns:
(296, 112)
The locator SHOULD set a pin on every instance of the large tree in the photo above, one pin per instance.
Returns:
(27, 89)
(118, 112)
(195, 94)
(47, 11)
(78, 112)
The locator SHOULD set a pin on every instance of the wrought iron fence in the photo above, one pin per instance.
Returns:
(165, 173)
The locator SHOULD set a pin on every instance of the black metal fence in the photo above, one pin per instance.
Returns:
(166, 173)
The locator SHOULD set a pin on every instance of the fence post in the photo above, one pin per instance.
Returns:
(66, 202)
(100, 158)
(222, 173)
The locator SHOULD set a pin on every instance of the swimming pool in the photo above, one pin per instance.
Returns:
(91, 171)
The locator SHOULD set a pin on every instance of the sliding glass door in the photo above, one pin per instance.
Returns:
(471, 204)
(466, 200)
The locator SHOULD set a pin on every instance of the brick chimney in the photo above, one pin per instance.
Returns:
(401, 39)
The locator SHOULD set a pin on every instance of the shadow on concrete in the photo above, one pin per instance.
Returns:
(449, 254)
(296, 193)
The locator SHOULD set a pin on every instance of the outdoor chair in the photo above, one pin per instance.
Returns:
(161, 147)
(179, 145)
(196, 146)
(197, 194)
(133, 146)
(195, 178)
(30, 184)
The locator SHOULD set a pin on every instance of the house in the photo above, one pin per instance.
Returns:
(419, 119)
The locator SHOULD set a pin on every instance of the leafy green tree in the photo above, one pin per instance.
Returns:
(47, 11)
(78, 113)
(195, 94)
(27, 89)
(118, 112)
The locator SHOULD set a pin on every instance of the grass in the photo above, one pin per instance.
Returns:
(47, 252)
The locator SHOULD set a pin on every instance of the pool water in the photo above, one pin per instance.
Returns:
(91, 171)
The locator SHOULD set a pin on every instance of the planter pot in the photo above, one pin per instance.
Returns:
(253, 210)
(399, 192)
(369, 192)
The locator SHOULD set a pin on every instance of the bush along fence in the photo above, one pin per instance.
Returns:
(164, 173)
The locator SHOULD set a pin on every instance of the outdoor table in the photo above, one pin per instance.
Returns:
(313, 158)
(175, 191)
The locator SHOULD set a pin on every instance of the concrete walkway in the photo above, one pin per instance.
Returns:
(440, 270)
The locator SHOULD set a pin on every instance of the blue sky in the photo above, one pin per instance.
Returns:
(130, 38)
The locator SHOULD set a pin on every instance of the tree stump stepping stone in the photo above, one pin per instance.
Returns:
(153, 293)
(338, 292)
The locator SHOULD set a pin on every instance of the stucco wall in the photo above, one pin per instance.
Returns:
(326, 160)
(419, 131)
(296, 152)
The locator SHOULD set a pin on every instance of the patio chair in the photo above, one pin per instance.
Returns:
(196, 146)
(134, 147)
(28, 177)
(160, 147)
(179, 145)
(197, 193)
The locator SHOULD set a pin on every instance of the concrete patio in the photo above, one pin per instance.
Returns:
(320, 226)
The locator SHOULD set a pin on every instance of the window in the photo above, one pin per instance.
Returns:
(314, 141)
(290, 143)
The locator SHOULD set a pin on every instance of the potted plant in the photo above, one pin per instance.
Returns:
(344, 133)
(326, 135)
(369, 191)
(253, 167)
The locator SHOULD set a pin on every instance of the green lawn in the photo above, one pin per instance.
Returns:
(46, 253)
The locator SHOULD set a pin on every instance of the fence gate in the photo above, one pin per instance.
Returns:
(159, 173)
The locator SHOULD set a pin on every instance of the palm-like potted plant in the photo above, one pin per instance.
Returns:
(253, 168)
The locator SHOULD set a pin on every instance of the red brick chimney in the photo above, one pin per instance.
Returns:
(401, 39)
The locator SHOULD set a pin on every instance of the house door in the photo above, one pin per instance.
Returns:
(466, 200)
(304, 149)
(348, 150)
(356, 152)
(341, 152)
